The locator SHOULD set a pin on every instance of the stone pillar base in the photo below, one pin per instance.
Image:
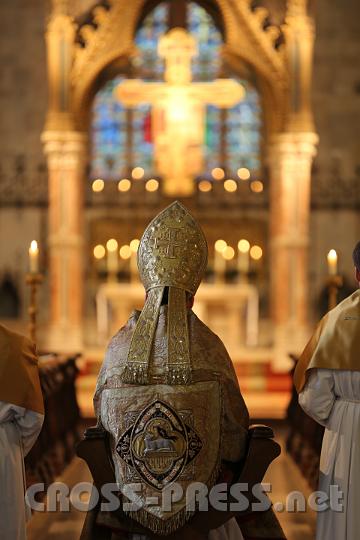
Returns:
(289, 338)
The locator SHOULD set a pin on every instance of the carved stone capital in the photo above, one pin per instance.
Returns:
(64, 149)
(64, 240)
(292, 146)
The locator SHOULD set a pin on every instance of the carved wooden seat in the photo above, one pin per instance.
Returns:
(94, 449)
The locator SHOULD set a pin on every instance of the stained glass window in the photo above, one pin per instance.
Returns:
(151, 67)
(109, 134)
(122, 139)
(243, 132)
(213, 138)
(206, 65)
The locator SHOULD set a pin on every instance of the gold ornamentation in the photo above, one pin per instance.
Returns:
(296, 8)
(174, 435)
(178, 110)
(137, 367)
(159, 445)
(179, 364)
(173, 251)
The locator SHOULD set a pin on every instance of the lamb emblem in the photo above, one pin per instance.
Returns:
(163, 443)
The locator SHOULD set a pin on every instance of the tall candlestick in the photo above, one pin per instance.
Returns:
(112, 259)
(228, 255)
(34, 257)
(219, 267)
(34, 279)
(243, 262)
(219, 261)
(99, 252)
(332, 260)
(334, 284)
(125, 254)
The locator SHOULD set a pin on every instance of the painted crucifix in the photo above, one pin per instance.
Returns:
(178, 111)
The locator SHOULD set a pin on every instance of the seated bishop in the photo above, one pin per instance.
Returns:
(168, 398)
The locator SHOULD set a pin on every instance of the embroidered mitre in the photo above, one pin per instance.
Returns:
(172, 253)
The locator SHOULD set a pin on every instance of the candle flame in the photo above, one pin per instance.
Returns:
(228, 253)
(99, 251)
(134, 245)
(220, 245)
(256, 253)
(125, 252)
(332, 255)
(34, 246)
(112, 245)
(244, 245)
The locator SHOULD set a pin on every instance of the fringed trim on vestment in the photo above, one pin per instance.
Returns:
(135, 374)
(170, 525)
(178, 374)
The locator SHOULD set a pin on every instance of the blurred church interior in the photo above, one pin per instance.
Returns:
(248, 112)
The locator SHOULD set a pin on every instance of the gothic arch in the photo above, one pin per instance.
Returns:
(78, 55)
(245, 40)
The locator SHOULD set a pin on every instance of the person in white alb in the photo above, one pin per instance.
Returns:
(21, 419)
(327, 378)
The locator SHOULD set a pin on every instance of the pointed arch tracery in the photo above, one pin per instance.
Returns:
(105, 40)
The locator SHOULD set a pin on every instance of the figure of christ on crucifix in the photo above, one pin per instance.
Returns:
(178, 111)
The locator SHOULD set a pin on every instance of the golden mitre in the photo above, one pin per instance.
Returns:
(172, 253)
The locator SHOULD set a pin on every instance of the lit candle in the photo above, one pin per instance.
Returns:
(256, 254)
(112, 258)
(243, 257)
(219, 261)
(228, 254)
(332, 259)
(34, 257)
(99, 252)
(125, 255)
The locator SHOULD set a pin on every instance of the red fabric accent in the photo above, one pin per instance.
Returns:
(147, 128)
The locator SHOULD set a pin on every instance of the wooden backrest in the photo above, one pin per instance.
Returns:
(261, 451)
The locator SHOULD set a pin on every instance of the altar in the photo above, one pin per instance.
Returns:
(230, 310)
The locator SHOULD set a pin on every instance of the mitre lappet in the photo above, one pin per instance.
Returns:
(167, 392)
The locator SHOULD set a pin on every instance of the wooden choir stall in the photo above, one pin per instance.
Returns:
(60, 433)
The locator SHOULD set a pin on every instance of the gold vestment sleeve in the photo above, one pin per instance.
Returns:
(19, 375)
(335, 343)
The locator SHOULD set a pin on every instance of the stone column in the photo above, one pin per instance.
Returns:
(291, 156)
(65, 151)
